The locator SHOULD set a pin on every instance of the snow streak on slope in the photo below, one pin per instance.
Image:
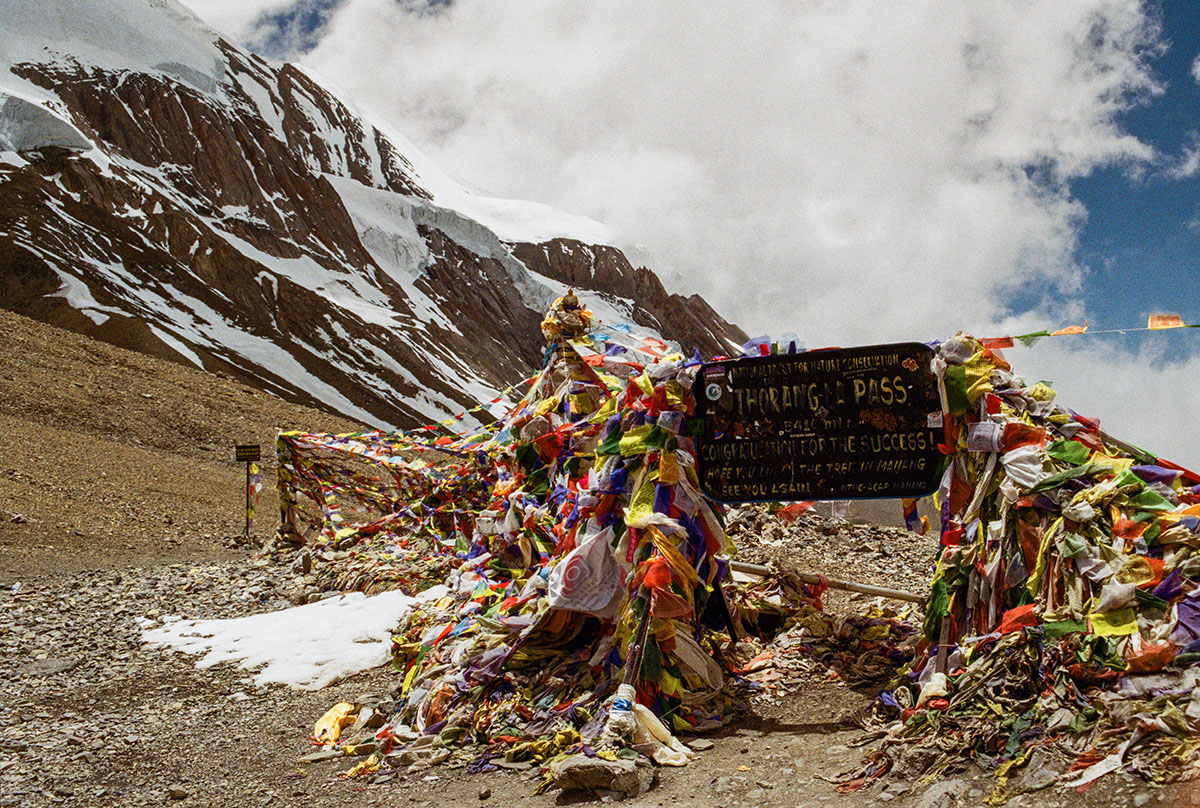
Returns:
(509, 219)
(385, 226)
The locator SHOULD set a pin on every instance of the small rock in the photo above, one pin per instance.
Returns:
(417, 758)
(513, 765)
(177, 792)
(484, 793)
(700, 745)
(945, 794)
(596, 774)
(1042, 770)
(47, 666)
(303, 563)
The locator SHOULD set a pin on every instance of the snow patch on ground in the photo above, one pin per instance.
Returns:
(306, 647)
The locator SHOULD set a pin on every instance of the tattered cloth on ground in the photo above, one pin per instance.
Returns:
(1064, 610)
(558, 530)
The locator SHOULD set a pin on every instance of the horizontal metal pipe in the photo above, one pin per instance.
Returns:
(832, 583)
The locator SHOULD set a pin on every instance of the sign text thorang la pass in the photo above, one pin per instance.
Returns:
(833, 424)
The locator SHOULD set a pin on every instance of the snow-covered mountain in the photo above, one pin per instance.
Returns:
(163, 190)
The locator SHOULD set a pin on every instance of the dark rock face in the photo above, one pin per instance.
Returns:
(690, 321)
(265, 230)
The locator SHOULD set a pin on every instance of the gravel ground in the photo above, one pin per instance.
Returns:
(121, 507)
(91, 716)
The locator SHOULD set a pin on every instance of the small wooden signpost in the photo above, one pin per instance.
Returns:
(247, 453)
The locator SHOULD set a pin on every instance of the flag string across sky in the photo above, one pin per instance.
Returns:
(1156, 322)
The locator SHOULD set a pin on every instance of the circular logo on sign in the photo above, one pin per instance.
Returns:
(713, 391)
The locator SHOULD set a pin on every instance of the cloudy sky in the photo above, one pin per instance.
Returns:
(854, 171)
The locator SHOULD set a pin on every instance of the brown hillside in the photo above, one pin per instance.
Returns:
(113, 458)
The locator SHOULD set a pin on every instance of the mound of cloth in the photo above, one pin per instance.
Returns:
(1064, 611)
(561, 530)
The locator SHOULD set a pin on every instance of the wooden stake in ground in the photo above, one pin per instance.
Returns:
(247, 453)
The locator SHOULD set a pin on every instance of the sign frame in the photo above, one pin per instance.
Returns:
(849, 423)
(247, 452)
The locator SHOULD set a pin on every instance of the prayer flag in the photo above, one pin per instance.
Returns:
(1158, 321)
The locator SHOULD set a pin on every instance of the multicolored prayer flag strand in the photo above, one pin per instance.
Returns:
(765, 346)
(1155, 322)
(254, 487)
(486, 405)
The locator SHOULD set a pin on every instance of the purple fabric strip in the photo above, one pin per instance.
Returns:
(1170, 588)
(1156, 474)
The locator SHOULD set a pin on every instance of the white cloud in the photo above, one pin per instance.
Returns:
(837, 169)
(237, 18)
(855, 172)
(1139, 394)
(1188, 163)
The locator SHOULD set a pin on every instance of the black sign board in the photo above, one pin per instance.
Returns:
(853, 423)
(247, 452)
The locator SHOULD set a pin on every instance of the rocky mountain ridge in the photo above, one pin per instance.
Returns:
(166, 191)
